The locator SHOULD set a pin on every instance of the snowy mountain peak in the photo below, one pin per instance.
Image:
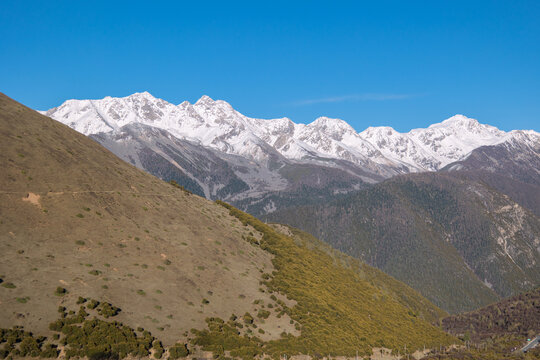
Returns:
(463, 127)
(205, 100)
(138, 95)
(330, 123)
(335, 128)
(458, 122)
(143, 94)
(216, 124)
(459, 119)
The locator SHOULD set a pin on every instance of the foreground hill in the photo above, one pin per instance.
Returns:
(459, 242)
(86, 239)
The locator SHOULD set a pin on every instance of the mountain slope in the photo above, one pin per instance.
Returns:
(403, 293)
(458, 242)
(512, 167)
(496, 331)
(76, 221)
(170, 158)
(518, 315)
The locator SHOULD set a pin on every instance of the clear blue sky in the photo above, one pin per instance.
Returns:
(405, 64)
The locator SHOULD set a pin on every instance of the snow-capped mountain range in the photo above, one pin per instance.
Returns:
(217, 125)
(260, 156)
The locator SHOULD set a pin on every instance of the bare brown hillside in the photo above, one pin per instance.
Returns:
(73, 215)
(76, 222)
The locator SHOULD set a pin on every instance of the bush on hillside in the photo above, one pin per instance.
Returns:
(60, 291)
(178, 351)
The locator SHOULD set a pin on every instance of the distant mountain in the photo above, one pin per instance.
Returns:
(512, 167)
(459, 242)
(518, 315)
(217, 125)
(99, 259)
(171, 158)
(268, 161)
(432, 148)
(497, 331)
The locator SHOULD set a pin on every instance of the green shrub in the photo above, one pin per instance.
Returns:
(9, 285)
(221, 336)
(97, 354)
(49, 351)
(158, 349)
(107, 310)
(60, 291)
(92, 304)
(248, 319)
(29, 347)
(4, 353)
(97, 338)
(263, 314)
(178, 351)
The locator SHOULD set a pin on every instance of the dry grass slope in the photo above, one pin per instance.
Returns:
(75, 221)
(103, 229)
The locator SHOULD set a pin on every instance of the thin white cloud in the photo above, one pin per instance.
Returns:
(355, 97)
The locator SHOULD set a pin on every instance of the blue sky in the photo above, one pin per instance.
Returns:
(404, 64)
